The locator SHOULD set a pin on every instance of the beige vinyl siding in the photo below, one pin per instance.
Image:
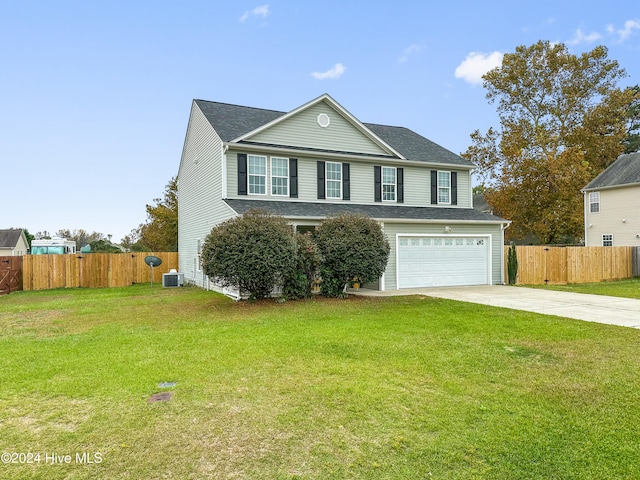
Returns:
(391, 229)
(302, 130)
(616, 205)
(417, 180)
(200, 204)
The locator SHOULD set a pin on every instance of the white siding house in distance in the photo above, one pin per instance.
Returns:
(612, 204)
(13, 242)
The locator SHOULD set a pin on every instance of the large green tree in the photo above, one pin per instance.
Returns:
(562, 121)
(632, 142)
(160, 233)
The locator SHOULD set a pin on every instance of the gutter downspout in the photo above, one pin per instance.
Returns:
(503, 227)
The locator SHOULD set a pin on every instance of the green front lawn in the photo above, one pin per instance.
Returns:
(628, 288)
(393, 388)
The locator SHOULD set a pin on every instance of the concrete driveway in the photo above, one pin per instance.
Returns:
(624, 312)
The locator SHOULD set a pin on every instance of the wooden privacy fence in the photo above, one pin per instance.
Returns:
(92, 270)
(558, 265)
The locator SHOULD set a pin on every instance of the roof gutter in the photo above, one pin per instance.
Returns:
(340, 155)
(408, 220)
(609, 187)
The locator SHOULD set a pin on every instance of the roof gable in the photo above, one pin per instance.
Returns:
(321, 125)
(624, 171)
(304, 124)
(9, 238)
(235, 123)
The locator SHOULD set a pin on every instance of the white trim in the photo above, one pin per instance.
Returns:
(585, 214)
(395, 184)
(438, 187)
(382, 278)
(609, 187)
(249, 175)
(324, 120)
(594, 193)
(435, 235)
(271, 175)
(326, 180)
(224, 174)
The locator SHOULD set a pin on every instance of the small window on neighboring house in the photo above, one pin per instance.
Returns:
(199, 256)
(389, 184)
(334, 180)
(607, 240)
(257, 175)
(279, 176)
(444, 187)
(594, 202)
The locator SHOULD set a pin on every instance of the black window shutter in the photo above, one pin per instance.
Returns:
(434, 187)
(321, 194)
(293, 177)
(346, 184)
(454, 188)
(377, 183)
(242, 174)
(400, 184)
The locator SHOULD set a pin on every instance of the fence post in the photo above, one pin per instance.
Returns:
(635, 261)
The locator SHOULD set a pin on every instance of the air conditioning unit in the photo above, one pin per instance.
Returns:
(173, 279)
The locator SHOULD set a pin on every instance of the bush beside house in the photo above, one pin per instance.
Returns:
(353, 249)
(253, 252)
(258, 253)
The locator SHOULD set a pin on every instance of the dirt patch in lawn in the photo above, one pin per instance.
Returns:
(35, 322)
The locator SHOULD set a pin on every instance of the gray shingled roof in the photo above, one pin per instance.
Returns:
(9, 238)
(382, 212)
(232, 121)
(624, 171)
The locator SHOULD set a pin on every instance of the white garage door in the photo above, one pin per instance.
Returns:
(442, 261)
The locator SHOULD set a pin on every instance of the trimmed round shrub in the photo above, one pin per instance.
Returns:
(254, 253)
(353, 248)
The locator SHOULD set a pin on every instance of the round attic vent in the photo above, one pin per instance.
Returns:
(323, 120)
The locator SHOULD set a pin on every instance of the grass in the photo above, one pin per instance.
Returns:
(362, 388)
(628, 288)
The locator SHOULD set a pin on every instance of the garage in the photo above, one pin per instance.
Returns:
(442, 261)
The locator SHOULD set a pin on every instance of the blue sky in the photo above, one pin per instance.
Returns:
(95, 96)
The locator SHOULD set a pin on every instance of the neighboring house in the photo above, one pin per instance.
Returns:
(612, 204)
(13, 242)
(319, 160)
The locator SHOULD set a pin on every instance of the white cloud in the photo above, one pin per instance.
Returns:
(476, 65)
(624, 33)
(409, 51)
(335, 72)
(581, 37)
(261, 11)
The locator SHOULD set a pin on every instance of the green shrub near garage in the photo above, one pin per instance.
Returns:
(353, 249)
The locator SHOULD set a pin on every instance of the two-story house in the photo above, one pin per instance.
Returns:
(612, 204)
(319, 160)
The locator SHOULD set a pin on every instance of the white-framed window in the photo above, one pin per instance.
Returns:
(334, 180)
(257, 175)
(594, 202)
(607, 240)
(389, 184)
(444, 187)
(280, 176)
